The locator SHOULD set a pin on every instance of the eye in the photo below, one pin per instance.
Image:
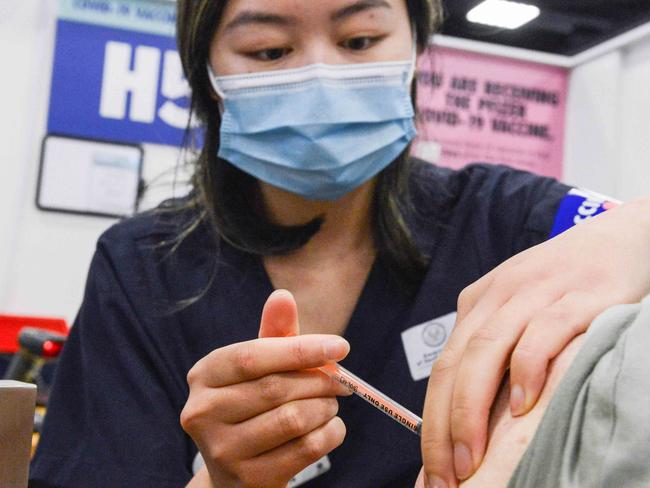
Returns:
(272, 54)
(360, 43)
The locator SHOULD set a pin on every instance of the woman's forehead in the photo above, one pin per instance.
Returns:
(240, 13)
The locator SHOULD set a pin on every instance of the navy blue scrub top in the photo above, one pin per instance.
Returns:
(113, 417)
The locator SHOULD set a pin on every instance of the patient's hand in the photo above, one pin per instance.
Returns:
(508, 437)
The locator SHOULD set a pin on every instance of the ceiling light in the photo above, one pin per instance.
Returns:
(502, 13)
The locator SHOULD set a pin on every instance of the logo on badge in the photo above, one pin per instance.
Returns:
(434, 334)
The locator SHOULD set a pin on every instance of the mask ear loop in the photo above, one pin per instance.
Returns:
(214, 82)
(414, 54)
(217, 89)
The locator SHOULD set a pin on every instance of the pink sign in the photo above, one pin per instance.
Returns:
(480, 108)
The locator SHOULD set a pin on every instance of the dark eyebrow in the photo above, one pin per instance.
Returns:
(248, 17)
(360, 6)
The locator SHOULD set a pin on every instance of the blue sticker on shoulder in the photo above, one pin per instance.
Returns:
(579, 206)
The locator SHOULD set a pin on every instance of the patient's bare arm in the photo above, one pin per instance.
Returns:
(509, 437)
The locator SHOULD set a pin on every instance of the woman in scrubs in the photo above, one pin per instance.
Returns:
(304, 186)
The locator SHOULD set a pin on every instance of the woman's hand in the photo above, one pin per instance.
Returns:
(257, 411)
(521, 315)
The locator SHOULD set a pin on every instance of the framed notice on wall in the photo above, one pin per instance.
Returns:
(89, 177)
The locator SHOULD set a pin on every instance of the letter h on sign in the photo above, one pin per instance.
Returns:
(142, 81)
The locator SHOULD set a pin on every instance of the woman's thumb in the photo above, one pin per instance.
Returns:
(279, 316)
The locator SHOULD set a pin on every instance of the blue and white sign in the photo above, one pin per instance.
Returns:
(577, 207)
(117, 75)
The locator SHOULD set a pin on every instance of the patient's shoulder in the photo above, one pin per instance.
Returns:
(508, 436)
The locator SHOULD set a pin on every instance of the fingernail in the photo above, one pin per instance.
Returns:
(336, 348)
(435, 482)
(517, 400)
(462, 461)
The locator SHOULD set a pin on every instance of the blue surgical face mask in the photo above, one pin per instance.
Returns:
(319, 131)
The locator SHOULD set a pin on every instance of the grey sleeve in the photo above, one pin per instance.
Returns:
(596, 431)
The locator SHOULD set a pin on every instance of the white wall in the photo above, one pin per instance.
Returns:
(44, 256)
(634, 169)
(608, 139)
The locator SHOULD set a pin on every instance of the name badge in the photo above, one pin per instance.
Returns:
(312, 471)
(423, 344)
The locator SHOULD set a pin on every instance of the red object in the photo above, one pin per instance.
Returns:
(10, 326)
(51, 349)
